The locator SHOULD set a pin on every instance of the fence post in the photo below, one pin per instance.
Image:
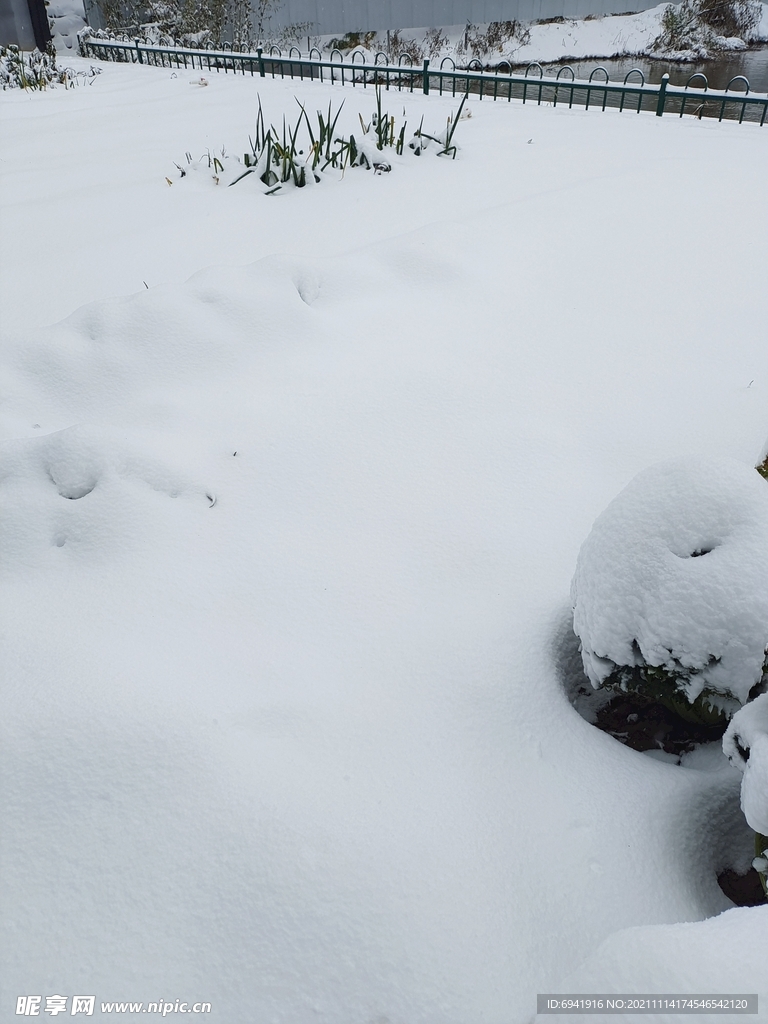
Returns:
(261, 62)
(138, 52)
(662, 95)
(425, 78)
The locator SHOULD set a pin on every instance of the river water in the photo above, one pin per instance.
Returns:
(752, 64)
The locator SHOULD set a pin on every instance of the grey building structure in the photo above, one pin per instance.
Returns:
(25, 23)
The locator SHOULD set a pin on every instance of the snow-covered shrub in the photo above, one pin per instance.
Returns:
(403, 44)
(746, 746)
(190, 22)
(35, 70)
(670, 594)
(435, 43)
(353, 41)
(695, 28)
(731, 18)
(166, 22)
(298, 34)
(498, 38)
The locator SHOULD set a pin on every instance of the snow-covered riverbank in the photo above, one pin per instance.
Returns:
(293, 489)
(562, 39)
(557, 40)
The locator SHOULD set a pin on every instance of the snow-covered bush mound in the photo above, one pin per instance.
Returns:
(670, 594)
(746, 745)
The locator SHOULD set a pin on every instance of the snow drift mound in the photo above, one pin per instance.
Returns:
(85, 490)
(671, 586)
(727, 950)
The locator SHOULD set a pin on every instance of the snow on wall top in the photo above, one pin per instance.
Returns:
(675, 574)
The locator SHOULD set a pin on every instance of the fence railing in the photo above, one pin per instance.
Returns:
(532, 85)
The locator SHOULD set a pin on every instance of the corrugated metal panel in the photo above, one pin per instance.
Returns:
(16, 24)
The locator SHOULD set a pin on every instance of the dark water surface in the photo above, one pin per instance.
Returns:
(753, 64)
(719, 72)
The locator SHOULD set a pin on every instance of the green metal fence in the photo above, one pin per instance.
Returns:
(532, 85)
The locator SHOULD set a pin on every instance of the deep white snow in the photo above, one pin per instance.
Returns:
(728, 951)
(293, 490)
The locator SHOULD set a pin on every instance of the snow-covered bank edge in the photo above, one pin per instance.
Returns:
(601, 37)
(516, 43)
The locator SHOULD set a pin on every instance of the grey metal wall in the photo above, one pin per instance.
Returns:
(16, 24)
(327, 16)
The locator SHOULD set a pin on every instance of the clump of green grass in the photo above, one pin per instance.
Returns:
(296, 155)
(445, 139)
(762, 469)
(277, 157)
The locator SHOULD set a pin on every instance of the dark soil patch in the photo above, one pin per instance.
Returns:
(743, 890)
(643, 724)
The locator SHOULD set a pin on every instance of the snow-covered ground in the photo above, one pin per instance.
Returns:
(568, 39)
(293, 490)
(631, 34)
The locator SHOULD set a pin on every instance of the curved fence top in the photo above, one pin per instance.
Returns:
(698, 75)
(502, 82)
(634, 71)
(738, 78)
